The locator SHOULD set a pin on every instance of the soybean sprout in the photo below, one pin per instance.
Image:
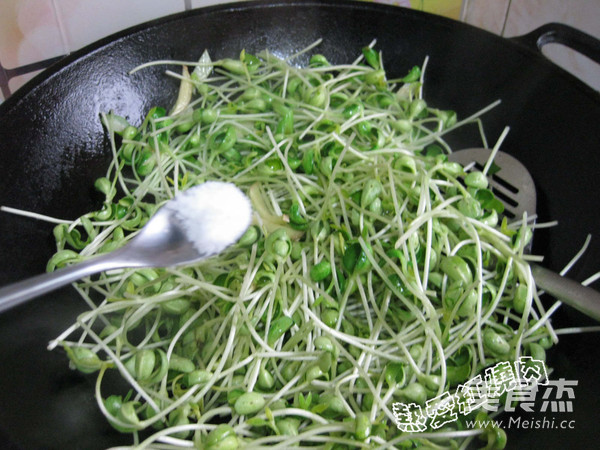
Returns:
(375, 270)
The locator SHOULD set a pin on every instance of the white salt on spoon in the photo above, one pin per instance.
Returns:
(213, 215)
(199, 222)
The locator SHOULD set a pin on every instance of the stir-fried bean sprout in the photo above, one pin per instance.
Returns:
(375, 270)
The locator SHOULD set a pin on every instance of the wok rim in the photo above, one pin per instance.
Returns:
(71, 59)
(41, 81)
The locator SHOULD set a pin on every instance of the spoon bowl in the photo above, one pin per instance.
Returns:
(165, 241)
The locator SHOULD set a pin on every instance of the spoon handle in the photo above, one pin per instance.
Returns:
(570, 292)
(22, 291)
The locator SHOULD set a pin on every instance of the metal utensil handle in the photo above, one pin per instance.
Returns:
(570, 292)
(22, 291)
(559, 33)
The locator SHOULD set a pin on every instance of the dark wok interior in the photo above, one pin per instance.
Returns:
(52, 147)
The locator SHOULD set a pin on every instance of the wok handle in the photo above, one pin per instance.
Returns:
(570, 292)
(22, 291)
(559, 33)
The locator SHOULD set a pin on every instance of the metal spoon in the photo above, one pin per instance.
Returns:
(514, 186)
(162, 242)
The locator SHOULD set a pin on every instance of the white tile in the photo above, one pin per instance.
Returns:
(29, 32)
(526, 15)
(85, 21)
(487, 14)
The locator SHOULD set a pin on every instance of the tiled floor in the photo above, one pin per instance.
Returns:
(35, 31)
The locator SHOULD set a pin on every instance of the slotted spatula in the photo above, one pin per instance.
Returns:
(514, 186)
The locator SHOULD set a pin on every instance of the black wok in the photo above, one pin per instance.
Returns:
(52, 147)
